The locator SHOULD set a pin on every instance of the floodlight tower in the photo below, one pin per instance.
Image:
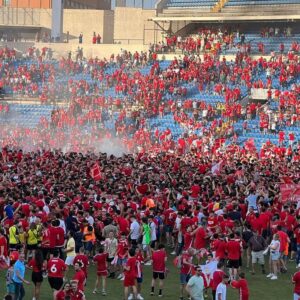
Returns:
(57, 20)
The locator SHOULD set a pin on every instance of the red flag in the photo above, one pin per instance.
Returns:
(290, 192)
(96, 172)
(287, 179)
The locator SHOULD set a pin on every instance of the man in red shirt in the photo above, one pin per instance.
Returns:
(186, 269)
(234, 255)
(83, 260)
(159, 258)
(79, 276)
(217, 278)
(76, 293)
(56, 268)
(284, 241)
(296, 282)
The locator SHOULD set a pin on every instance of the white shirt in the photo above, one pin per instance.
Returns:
(221, 289)
(153, 231)
(90, 220)
(135, 230)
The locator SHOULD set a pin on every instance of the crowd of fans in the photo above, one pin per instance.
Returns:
(63, 205)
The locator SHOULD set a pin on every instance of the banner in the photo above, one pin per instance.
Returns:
(290, 192)
(96, 172)
(209, 268)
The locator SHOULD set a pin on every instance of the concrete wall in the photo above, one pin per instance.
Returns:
(62, 50)
(133, 25)
(124, 25)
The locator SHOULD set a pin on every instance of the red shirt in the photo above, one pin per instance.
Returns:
(217, 278)
(131, 263)
(79, 276)
(283, 237)
(52, 236)
(296, 279)
(60, 236)
(264, 220)
(83, 260)
(56, 268)
(186, 268)
(61, 295)
(100, 260)
(3, 243)
(233, 250)
(78, 295)
(242, 285)
(199, 242)
(32, 264)
(220, 247)
(158, 258)
(297, 235)
(122, 248)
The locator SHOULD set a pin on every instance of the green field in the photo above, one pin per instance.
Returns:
(261, 288)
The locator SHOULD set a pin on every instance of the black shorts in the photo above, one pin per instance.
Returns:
(233, 263)
(45, 252)
(32, 247)
(159, 275)
(152, 244)
(15, 246)
(56, 283)
(37, 277)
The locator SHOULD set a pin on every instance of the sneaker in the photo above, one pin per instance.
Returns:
(139, 297)
(148, 263)
(130, 297)
(103, 293)
(160, 295)
(95, 291)
(173, 253)
(33, 298)
(122, 279)
(120, 276)
(274, 277)
(270, 275)
(298, 266)
(151, 293)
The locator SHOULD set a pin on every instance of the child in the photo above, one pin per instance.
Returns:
(242, 285)
(10, 287)
(130, 273)
(122, 253)
(102, 272)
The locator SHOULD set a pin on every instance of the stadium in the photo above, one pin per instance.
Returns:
(150, 149)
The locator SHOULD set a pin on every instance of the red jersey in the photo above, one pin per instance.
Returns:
(296, 279)
(3, 243)
(122, 248)
(100, 260)
(242, 285)
(60, 237)
(78, 295)
(61, 295)
(83, 260)
(217, 278)
(32, 264)
(199, 241)
(233, 250)
(79, 276)
(131, 263)
(158, 259)
(186, 268)
(56, 268)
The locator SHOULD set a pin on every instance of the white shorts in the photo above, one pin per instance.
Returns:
(69, 260)
(296, 296)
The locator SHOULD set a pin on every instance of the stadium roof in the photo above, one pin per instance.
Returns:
(221, 18)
